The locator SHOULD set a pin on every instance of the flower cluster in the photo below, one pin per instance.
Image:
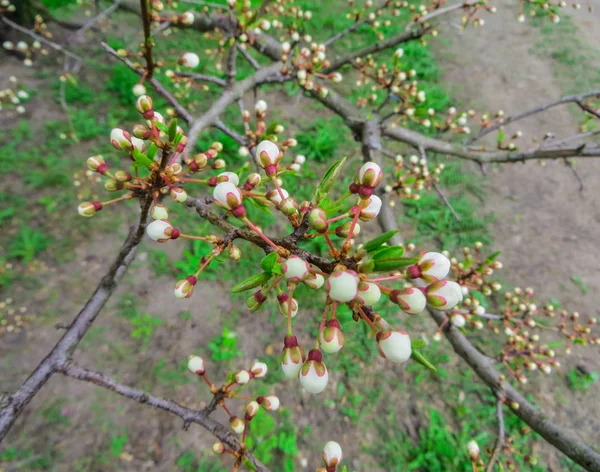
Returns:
(14, 96)
(412, 176)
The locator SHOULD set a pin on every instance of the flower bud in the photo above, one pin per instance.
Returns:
(268, 156)
(227, 195)
(313, 374)
(295, 269)
(292, 357)
(370, 175)
(285, 302)
(189, 60)
(256, 300)
(121, 140)
(394, 345)
(259, 369)
(342, 286)
(161, 231)
(317, 220)
(196, 365)
(89, 209)
(235, 253)
(140, 131)
(269, 402)
(187, 18)
(238, 425)
(185, 288)
(368, 293)
(122, 176)
(199, 161)
(315, 281)
(443, 294)
(411, 300)
(97, 164)
(343, 231)
(336, 77)
(218, 448)
(275, 196)
(432, 266)
(251, 410)
(159, 212)
(289, 207)
(473, 449)
(332, 454)
(242, 377)
(243, 151)
(178, 194)
(138, 90)
(331, 337)
(260, 107)
(228, 177)
(371, 210)
(458, 320)
(112, 185)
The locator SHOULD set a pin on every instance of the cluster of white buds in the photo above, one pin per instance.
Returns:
(14, 96)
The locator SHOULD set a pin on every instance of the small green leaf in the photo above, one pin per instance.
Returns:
(328, 180)
(420, 358)
(269, 262)
(162, 127)
(172, 129)
(492, 257)
(380, 240)
(249, 464)
(251, 282)
(141, 160)
(388, 259)
(501, 135)
(152, 150)
(416, 343)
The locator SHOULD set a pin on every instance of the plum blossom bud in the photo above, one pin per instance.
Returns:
(473, 449)
(458, 320)
(140, 131)
(317, 220)
(185, 288)
(336, 77)
(259, 369)
(443, 294)
(432, 266)
(242, 377)
(139, 144)
(269, 402)
(196, 365)
(161, 231)
(97, 164)
(371, 210)
(187, 18)
(218, 448)
(122, 176)
(138, 90)
(275, 196)
(394, 345)
(256, 300)
(295, 269)
(332, 454)
(189, 60)
(410, 300)
(285, 303)
(288, 207)
(121, 140)
(300, 159)
(370, 175)
(332, 338)
(228, 177)
(178, 194)
(253, 180)
(235, 253)
(313, 374)
(315, 281)
(285, 47)
(237, 425)
(251, 410)
(144, 105)
(159, 212)
(227, 195)
(342, 286)
(344, 230)
(260, 107)
(368, 293)
(268, 156)
(399, 53)
(89, 209)
(292, 357)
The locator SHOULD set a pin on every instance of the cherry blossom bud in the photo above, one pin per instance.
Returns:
(196, 365)
(227, 195)
(410, 300)
(259, 369)
(178, 194)
(331, 337)
(336, 77)
(394, 345)
(315, 281)
(399, 53)
(432, 266)
(218, 448)
(89, 209)
(121, 140)
(269, 402)
(237, 425)
(122, 176)
(344, 230)
(284, 305)
(228, 177)
(161, 231)
(159, 212)
(189, 60)
(187, 18)
(301, 74)
(295, 269)
(289, 207)
(144, 105)
(268, 156)
(292, 357)
(275, 196)
(138, 90)
(185, 288)
(370, 175)
(285, 47)
(251, 410)
(140, 131)
(252, 181)
(317, 220)
(368, 293)
(332, 454)
(473, 449)
(112, 185)
(342, 286)
(444, 294)
(300, 159)
(458, 320)
(242, 377)
(372, 209)
(97, 164)
(313, 374)
(256, 300)
(261, 107)
(139, 144)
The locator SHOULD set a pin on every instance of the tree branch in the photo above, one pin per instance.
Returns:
(500, 439)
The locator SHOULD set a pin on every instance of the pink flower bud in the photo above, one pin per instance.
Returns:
(315, 281)
(259, 369)
(159, 212)
(443, 294)
(317, 220)
(238, 425)
(252, 181)
(289, 207)
(199, 161)
(251, 410)
(161, 231)
(189, 60)
(370, 175)
(89, 209)
(196, 365)
(187, 18)
(292, 357)
(122, 176)
(372, 209)
(140, 131)
(121, 140)
(313, 374)
(411, 300)
(332, 454)
(369, 293)
(97, 164)
(332, 338)
(394, 345)
(295, 269)
(242, 377)
(269, 402)
(342, 286)
(227, 195)
(185, 288)
(268, 156)
(432, 266)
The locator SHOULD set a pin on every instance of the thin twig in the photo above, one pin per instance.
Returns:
(204, 78)
(148, 44)
(93, 21)
(253, 62)
(500, 439)
(356, 24)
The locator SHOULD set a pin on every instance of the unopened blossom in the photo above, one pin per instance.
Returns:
(432, 266)
(372, 209)
(138, 90)
(196, 365)
(161, 231)
(121, 140)
(237, 425)
(227, 195)
(228, 177)
(97, 164)
(178, 194)
(369, 177)
(317, 220)
(261, 107)
(187, 18)
(242, 377)
(444, 294)
(252, 409)
(287, 306)
(295, 269)
(313, 374)
(292, 357)
(89, 209)
(331, 338)
(259, 369)
(368, 293)
(268, 156)
(189, 60)
(473, 449)
(269, 402)
(275, 195)
(342, 286)
(139, 144)
(144, 104)
(458, 320)
(411, 300)
(315, 281)
(218, 448)
(159, 212)
(332, 454)
(394, 345)
(185, 288)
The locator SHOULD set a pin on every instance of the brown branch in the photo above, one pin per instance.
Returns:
(188, 415)
(202, 77)
(253, 62)
(238, 138)
(148, 44)
(90, 24)
(356, 24)
(500, 439)
(63, 350)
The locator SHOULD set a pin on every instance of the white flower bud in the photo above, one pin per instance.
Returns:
(314, 281)
(268, 156)
(399, 53)
(187, 18)
(458, 320)
(139, 90)
(243, 151)
(261, 107)
(372, 209)
(432, 266)
(368, 293)
(331, 338)
(121, 140)
(473, 449)
(185, 288)
(196, 365)
(342, 286)
(189, 60)
(160, 231)
(270, 403)
(227, 195)
(370, 174)
(242, 377)
(159, 212)
(259, 369)
(295, 269)
(332, 454)
(444, 294)
(394, 345)
(228, 177)
(313, 374)
(411, 300)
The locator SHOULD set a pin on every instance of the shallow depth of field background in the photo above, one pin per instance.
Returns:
(387, 418)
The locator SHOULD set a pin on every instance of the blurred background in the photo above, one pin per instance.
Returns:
(387, 418)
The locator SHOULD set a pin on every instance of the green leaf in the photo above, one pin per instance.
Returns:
(328, 180)
(152, 150)
(141, 160)
(172, 129)
(388, 259)
(380, 240)
(416, 343)
(249, 464)
(420, 358)
(269, 262)
(251, 282)
(501, 135)
(162, 127)
(492, 257)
